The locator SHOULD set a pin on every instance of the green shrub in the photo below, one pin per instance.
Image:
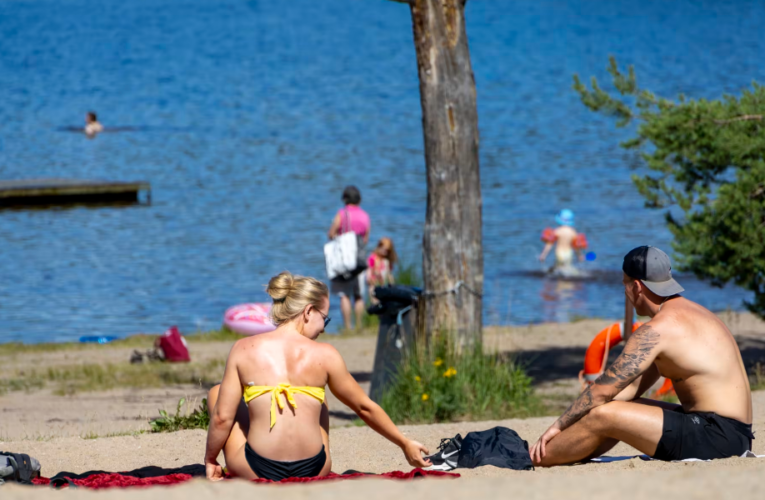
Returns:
(370, 322)
(437, 384)
(197, 419)
(407, 274)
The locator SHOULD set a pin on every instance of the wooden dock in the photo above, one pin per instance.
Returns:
(68, 191)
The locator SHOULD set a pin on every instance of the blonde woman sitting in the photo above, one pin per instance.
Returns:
(281, 429)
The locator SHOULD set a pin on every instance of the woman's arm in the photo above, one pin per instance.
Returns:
(347, 390)
(223, 415)
(334, 227)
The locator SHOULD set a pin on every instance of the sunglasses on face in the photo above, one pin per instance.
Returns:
(326, 317)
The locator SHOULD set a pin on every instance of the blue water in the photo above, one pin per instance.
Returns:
(253, 115)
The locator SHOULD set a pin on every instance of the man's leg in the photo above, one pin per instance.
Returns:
(639, 425)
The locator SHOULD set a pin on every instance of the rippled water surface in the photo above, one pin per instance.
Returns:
(250, 116)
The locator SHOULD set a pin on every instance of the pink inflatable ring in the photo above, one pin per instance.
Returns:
(249, 319)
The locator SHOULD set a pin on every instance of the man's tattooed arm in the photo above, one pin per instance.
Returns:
(638, 355)
(577, 410)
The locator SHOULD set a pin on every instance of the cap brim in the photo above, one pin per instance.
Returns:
(664, 288)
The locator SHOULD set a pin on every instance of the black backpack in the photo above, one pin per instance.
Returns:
(18, 467)
(500, 447)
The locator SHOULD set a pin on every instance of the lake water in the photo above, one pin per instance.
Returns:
(251, 116)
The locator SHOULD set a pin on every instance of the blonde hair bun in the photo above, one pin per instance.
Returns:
(292, 294)
(280, 286)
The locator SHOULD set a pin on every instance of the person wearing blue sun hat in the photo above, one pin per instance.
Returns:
(566, 240)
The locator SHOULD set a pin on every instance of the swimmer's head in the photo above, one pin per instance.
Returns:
(565, 217)
(91, 117)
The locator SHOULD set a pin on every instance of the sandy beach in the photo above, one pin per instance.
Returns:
(106, 430)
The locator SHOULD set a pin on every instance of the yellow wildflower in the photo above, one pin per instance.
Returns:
(450, 372)
(438, 362)
(417, 378)
(425, 397)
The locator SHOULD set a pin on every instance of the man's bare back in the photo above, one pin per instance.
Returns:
(684, 342)
(701, 357)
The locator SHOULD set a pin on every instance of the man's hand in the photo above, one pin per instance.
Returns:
(413, 452)
(213, 470)
(538, 451)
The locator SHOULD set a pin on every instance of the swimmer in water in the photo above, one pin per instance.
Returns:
(92, 125)
(566, 241)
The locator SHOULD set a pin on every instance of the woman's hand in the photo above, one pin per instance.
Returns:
(538, 451)
(413, 452)
(213, 470)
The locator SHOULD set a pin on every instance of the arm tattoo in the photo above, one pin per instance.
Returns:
(628, 366)
(625, 369)
(577, 410)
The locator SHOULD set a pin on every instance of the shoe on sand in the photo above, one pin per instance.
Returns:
(447, 455)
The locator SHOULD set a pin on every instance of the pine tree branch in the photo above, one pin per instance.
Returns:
(741, 118)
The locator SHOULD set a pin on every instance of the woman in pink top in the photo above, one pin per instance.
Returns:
(350, 218)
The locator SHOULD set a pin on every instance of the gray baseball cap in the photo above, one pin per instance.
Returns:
(652, 267)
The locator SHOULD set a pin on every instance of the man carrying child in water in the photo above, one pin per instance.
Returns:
(684, 342)
(566, 241)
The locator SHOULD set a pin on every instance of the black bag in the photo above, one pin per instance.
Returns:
(18, 467)
(500, 447)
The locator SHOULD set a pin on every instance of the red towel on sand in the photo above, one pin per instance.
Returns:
(100, 481)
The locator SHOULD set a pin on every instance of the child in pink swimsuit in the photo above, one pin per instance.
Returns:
(380, 270)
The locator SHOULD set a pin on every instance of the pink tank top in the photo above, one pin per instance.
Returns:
(356, 218)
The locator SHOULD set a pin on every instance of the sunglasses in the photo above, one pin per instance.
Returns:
(326, 318)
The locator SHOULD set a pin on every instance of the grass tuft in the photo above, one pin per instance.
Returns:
(197, 419)
(437, 384)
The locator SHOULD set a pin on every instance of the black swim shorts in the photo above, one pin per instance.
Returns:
(702, 435)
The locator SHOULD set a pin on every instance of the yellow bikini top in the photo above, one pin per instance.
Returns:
(252, 391)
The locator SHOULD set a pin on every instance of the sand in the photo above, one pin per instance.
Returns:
(59, 431)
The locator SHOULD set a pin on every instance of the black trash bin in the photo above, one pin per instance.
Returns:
(398, 317)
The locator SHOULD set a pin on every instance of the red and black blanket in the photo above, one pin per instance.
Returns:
(157, 476)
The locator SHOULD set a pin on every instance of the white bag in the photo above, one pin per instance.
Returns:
(341, 255)
(344, 255)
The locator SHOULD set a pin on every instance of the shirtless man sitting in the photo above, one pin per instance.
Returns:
(683, 341)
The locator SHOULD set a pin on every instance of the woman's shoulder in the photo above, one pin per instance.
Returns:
(326, 351)
(355, 209)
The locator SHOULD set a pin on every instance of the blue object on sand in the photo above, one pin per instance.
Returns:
(96, 339)
(590, 256)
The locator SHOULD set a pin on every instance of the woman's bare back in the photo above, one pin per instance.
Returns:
(277, 358)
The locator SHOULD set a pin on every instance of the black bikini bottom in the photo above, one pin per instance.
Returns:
(276, 471)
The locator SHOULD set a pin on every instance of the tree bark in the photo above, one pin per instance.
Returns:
(452, 246)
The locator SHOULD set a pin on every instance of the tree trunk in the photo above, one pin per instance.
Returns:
(452, 249)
